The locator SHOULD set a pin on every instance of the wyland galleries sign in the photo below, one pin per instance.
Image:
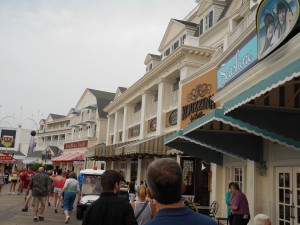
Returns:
(240, 60)
(196, 97)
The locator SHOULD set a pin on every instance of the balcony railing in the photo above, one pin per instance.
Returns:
(89, 117)
(171, 101)
(240, 29)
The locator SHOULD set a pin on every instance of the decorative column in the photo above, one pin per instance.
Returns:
(145, 100)
(108, 130)
(124, 136)
(139, 171)
(160, 107)
(116, 128)
(250, 188)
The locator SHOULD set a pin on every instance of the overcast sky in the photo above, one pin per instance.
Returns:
(51, 50)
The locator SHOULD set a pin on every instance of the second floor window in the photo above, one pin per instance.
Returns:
(137, 107)
(167, 52)
(201, 27)
(175, 45)
(209, 20)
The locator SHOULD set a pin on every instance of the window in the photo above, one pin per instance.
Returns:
(167, 52)
(235, 174)
(137, 107)
(183, 39)
(201, 27)
(112, 139)
(209, 20)
(176, 85)
(156, 97)
(175, 45)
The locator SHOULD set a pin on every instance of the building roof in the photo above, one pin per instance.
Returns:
(186, 23)
(122, 89)
(37, 154)
(102, 94)
(103, 99)
(155, 56)
(55, 150)
(228, 3)
(56, 116)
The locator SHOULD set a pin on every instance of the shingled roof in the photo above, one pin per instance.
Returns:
(56, 116)
(186, 23)
(103, 99)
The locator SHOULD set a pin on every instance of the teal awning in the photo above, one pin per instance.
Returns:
(280, 77)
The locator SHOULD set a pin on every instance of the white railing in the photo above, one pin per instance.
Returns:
(192, 41)
(47, 143)
(134, 118)
(75, 120)
(171, 101)
(240, 29)
(56, 129)
(54, 142)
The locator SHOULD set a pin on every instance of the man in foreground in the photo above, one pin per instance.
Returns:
(110, 209)
(239, 206)
(165, 182)
(40, 185)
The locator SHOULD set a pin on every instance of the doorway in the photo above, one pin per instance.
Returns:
(288, 195)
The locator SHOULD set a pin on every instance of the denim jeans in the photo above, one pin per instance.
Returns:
(69, 198)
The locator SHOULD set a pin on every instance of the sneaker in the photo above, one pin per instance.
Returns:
(9, 193)
(67, 219)
(49, 204)
(41, 218)
(24, 209)
(55, 210)
(18, 193)
(35, 219)
(13, 193)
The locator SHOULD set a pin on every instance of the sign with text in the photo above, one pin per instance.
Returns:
(5, 156)
(275, 19)
(242, 58)
(77, 144)
(196, 97)
(7, 138)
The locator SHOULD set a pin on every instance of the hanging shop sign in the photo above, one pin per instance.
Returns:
(152, 125)
(171, 118)
(275, 21)
(242, 58)
(79, 164)
(77, 144)
(5, 156)
(196, 97)
(7, 138)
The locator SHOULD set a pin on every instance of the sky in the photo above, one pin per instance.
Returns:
(51, 50)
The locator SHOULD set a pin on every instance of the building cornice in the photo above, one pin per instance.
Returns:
(174, 57)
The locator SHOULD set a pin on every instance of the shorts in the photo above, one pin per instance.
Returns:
(39, 199)
(57, 190)
(69, 198)
(29, 194)
(14, 181)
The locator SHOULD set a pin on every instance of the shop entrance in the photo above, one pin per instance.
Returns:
(288, 195)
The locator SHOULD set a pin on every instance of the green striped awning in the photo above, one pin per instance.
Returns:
(280, 77)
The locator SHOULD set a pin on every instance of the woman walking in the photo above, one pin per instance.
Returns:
(70, 189)
(2, 180)
(144, 210)
(58, 184)
(14, 181)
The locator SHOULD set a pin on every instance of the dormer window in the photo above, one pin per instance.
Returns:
(183, 39)
(167, 52)
(156, 97)
(209, 20)
(175, 45)
(201, 27)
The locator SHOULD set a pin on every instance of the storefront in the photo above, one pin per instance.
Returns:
(253, 136)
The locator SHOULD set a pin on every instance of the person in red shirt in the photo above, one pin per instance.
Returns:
(58, 184)
(27, 197)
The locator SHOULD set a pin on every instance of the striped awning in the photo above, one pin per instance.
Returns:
(105, 151)
(69, 158)
(152, 146)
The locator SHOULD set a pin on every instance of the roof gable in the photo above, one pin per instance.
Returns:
(119, 92)
(151, 57)
(173, 30)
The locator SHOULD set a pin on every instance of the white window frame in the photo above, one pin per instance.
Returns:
(231, 176)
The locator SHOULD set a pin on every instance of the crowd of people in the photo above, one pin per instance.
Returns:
(159, 201)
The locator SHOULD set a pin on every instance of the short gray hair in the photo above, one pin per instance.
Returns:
(165, 180)
(260, 219)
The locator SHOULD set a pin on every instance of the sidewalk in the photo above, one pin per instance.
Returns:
(11, 214)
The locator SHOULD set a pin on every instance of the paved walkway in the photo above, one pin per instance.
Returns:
(11, 214)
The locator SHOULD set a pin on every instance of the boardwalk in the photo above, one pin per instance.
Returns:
(11, 214)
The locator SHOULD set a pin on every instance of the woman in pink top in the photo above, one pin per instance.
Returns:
(58, 184)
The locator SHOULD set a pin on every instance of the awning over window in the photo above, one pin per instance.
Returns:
(69, 158)
(289, 72)
(222, 134)
(151, 146)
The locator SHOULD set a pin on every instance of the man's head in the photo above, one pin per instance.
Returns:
(41, 170)
(262, 219)
(234, 187)
(165, 181)
(111, 181)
